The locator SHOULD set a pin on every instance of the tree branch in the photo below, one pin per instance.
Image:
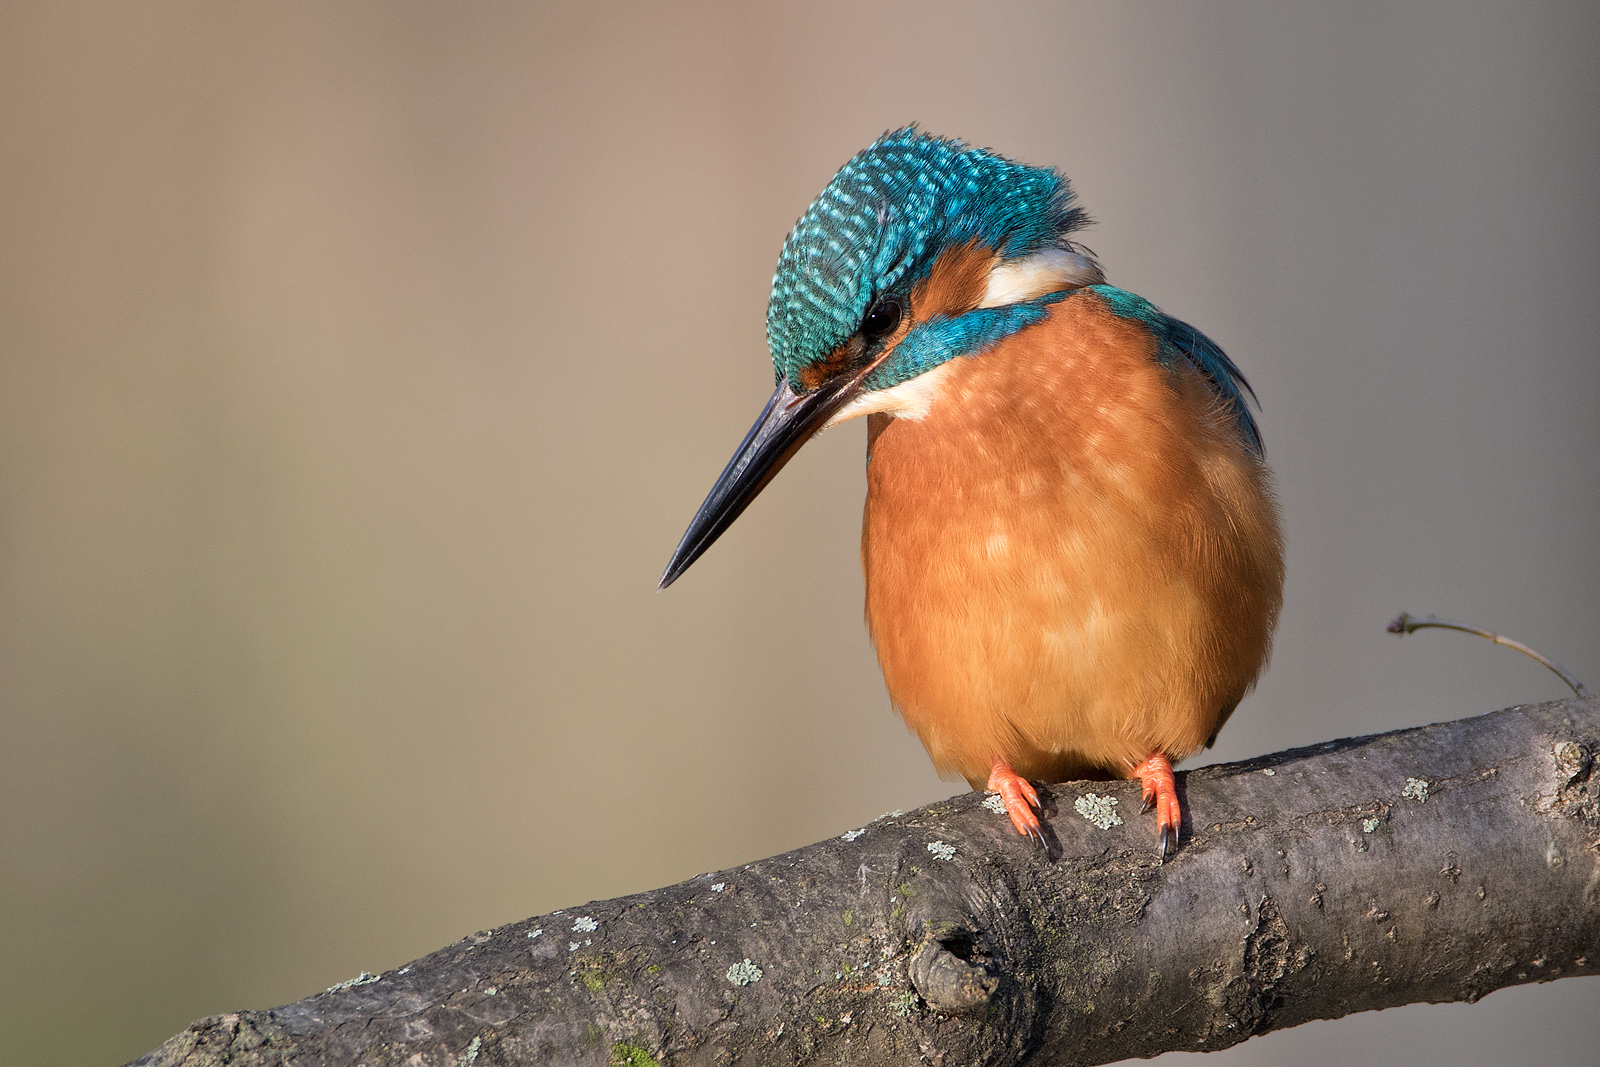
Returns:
(1434, 864)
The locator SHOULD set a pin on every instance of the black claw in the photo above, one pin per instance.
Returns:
(1036, 835)
(1149, 802)
(1169, 843)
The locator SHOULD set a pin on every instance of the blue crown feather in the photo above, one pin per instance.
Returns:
(884, 219)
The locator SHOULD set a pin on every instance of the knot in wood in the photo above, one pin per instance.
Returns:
(949, 973)
(1573, 760)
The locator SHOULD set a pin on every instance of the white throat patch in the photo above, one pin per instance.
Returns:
(911, 399)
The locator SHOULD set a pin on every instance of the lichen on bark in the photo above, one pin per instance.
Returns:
(1310, 884)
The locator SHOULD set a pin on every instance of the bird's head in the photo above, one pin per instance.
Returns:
(919, 250)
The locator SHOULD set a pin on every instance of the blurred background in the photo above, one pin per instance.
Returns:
(361, 364)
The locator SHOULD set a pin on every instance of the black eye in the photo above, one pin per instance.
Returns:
(882, 319)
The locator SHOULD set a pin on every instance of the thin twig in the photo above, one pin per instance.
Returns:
(1404, 624)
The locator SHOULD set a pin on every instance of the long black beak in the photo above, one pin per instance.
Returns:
(786, 423)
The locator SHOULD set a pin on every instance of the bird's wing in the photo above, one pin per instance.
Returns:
(1229, 383)
(1176, 340)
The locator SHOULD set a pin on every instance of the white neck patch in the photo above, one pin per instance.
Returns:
(1048, 271)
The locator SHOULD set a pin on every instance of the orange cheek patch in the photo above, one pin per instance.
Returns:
(956, 284)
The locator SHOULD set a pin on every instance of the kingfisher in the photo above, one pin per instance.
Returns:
(1071, 542)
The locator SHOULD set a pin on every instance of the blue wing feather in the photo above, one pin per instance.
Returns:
(1177, 340)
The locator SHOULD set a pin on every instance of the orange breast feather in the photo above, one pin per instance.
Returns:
(1071, 561)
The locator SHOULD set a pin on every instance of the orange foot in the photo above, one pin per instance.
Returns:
(1020, 800)
(1161, 793)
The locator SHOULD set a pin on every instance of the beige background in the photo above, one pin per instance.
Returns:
(360, 365)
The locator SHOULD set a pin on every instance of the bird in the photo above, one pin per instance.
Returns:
(1071, 543)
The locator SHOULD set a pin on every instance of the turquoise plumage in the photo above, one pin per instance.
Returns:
(1071, 547)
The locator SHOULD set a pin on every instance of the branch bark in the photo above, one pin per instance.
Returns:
(1433, 864)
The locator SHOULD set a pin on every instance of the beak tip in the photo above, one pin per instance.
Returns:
(680, 562)
(783, 426)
